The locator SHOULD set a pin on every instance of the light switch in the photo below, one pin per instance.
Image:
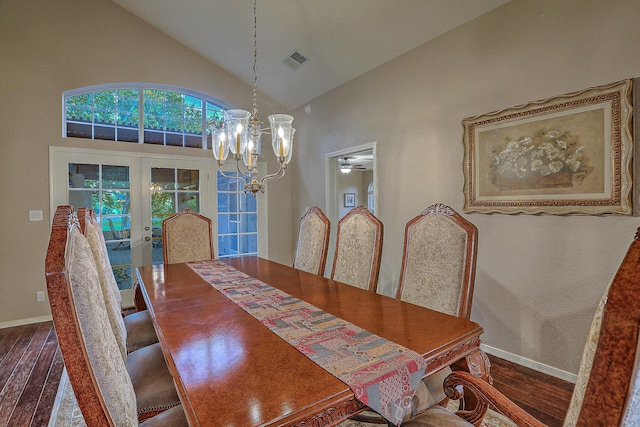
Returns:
(35, 215)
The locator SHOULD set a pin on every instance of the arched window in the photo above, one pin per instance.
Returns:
(370, 198)
(141, 113)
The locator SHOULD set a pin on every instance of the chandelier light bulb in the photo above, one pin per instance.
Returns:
(219, 146)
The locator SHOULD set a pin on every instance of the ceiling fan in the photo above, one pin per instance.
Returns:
(346, 167)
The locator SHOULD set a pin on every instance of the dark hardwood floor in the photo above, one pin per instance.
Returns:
(545, 397)
(30, 369)
(31, 366)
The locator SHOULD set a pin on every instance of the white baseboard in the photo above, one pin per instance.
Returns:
(27, 321)
(528, 363)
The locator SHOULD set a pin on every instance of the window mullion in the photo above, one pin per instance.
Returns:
(204, 124)
(140, 115)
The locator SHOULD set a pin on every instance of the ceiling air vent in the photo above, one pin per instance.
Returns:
(296, 60)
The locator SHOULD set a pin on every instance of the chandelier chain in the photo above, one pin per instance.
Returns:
(255, 60)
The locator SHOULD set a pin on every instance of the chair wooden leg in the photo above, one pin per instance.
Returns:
(138, 299)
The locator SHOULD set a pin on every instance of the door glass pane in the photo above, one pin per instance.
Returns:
(248, 204)
(227, 184)
(115, 176)
(115, 202)
(171, 191)
(248, 223)
(105, 189)
(188, 179)
(82, 198)
(237, 220)
(249, 243)
(227, 202)
(189, 200)
(162, 206)
(162, 179)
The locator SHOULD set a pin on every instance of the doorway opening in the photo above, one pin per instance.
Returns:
(351, 180)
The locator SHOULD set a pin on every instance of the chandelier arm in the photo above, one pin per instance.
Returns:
(247, 174)
(279, 174)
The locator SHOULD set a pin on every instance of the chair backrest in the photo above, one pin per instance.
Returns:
(358, 249)
(313, 242)
(186, 236)
(91, 354)
(607, 391)
(439, 261)
(108, 283)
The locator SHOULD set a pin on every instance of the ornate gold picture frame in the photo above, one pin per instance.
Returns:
(569, 154)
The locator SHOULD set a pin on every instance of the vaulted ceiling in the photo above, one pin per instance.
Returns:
(342, 39)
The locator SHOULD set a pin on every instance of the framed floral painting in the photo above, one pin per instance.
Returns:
(570, 154)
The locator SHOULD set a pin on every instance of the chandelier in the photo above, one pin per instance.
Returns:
(239, 133)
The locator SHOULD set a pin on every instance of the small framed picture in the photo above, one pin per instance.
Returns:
(349, 200)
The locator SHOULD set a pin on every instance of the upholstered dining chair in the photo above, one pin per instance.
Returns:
(110, 390)
(439, 261)
(187, 236)
(607, 390)
(358, 249)
(313, 242)
(437, 272)
(134, 330)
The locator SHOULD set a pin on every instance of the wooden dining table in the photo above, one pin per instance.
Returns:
(230, 370)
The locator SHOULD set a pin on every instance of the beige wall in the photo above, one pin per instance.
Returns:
(539, 277)
(47, 47)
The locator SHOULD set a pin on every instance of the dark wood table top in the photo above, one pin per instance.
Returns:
(231, 370)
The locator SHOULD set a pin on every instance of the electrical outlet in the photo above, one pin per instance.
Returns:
(40, 296)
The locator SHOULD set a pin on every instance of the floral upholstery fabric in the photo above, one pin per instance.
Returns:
(108, 286)
(310, 244)
(586, 363)
(187, 239)
(355, 252)
(104, 354)
(435, 261)
(107, 262)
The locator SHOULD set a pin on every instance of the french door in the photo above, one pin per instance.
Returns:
(131, 194)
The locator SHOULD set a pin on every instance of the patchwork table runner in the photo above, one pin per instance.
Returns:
(382, 375)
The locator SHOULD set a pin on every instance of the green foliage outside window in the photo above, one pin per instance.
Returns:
(90, 115)
(114, 106)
